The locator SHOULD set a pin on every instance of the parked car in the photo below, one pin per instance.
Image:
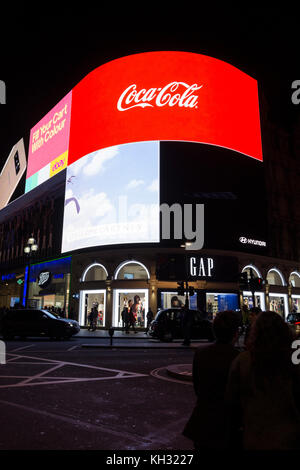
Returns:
(293, 320)
(167, 325)
(37, 322)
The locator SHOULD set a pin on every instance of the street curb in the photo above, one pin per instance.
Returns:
(138, 346)
(181, 372)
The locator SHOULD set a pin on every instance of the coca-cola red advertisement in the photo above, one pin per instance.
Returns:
(165, 96)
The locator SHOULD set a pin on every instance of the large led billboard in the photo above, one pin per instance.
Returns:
(125, 111)
(153, 96)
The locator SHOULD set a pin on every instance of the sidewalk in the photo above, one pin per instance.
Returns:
(100, 333)
(132, 340)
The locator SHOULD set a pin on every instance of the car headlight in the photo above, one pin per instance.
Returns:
(70, 324)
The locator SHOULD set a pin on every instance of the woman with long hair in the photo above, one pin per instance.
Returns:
(263, 390)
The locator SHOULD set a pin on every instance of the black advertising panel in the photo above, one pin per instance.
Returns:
(231, 189)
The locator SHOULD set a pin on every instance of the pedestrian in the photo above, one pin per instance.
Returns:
(131, 313)
(263, 389)
(245, 316)
(207, 424)
(95, 317)
(127, 316)
(254, 311)
(150, 316)
(124, 317)
(187, 323)
(90, 320)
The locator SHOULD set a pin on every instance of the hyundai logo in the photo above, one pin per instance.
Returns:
(243, 239)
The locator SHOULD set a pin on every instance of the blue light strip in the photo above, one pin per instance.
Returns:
(25, 285)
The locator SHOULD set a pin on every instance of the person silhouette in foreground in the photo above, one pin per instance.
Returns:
(264, 388)
(207, 424)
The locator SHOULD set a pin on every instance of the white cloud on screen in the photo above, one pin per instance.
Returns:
(134, 184)
(154, 186)
(95, 163)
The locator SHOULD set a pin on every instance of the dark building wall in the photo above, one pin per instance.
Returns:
(281, 151)
(43, 219)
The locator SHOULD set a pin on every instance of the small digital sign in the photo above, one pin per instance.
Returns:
(12, 172)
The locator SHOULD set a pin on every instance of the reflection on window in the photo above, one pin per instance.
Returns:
(132, 271)
(95, 273)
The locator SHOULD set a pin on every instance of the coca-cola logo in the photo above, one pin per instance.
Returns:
(173, 94)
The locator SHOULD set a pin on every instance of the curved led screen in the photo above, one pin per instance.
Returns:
(165, 96)
(114, 134)
(158, 96)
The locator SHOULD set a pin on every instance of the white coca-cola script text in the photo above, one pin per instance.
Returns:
(172, 94)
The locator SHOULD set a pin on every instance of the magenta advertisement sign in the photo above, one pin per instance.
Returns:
(49, 144)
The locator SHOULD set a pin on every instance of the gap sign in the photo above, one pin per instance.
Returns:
(214, 268)
(197, 267)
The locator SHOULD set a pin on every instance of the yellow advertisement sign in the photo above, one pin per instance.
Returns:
(58, 164)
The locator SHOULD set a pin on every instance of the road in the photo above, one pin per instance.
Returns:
(58, 395)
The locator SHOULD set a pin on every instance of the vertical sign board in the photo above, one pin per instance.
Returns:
(48, 144)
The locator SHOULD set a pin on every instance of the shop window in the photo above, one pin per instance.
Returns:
(172, 299)
(95, 272)
(278, 304)
(296, 303)
(92, 301)
(132, 270)
(259, 300)
(275, 278)
(294, 279)
(216, 302)
(137, 300)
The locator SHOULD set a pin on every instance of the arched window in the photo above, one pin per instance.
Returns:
(94, 272)
(255, 271)
(275, 278)
(294, 279)
(133, 270)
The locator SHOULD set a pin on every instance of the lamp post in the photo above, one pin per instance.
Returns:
(30, 249)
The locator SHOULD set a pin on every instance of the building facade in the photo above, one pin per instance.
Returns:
(240, 195)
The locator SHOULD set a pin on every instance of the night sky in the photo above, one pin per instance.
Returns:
(43, 56)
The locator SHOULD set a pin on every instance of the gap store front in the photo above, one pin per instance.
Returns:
(213, 278)
(112, 286)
